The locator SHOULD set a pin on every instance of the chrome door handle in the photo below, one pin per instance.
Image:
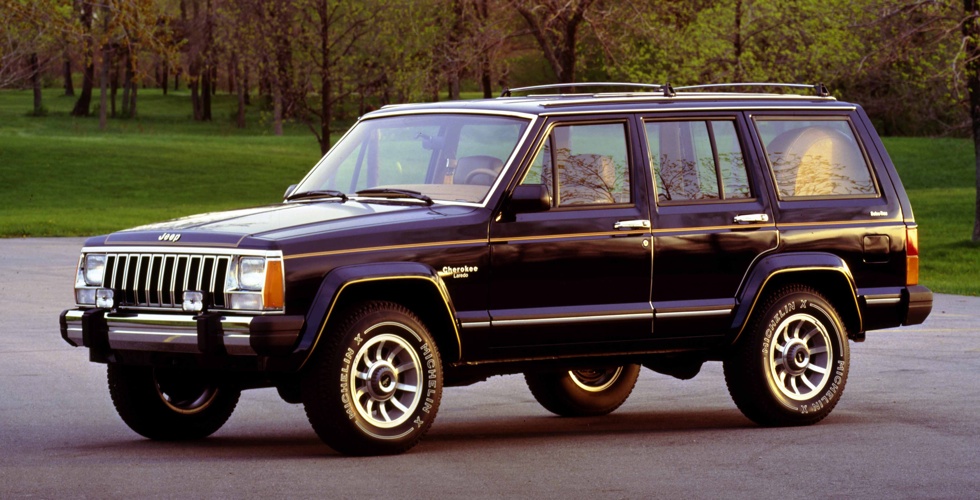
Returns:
(751, 218)
(626, 225)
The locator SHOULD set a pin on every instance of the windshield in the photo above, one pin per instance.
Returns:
(449, 157)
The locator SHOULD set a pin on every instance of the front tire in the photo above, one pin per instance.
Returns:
(375, 387)
(170, 404)
(791, 365)
(583, 393)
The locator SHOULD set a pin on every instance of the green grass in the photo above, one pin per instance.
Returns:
(62, 176)
(940, 177)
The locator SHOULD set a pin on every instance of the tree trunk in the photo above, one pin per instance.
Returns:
(194, 84)
(971, 34)
(66, 73)
(129, 86)
(165, 74)
(132, 101)
(326, 106)
(276, 110)
(84, 101)
(485, 77)
(234, 75)
(36, 83)
(104, 86)
(206, 93)
(245, 87)
(737, 42)
(114, 89)
(485, 81)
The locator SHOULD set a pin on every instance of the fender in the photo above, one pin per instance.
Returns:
(338, 280)
(771, 266)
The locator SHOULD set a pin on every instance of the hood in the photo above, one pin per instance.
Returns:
(269, 222)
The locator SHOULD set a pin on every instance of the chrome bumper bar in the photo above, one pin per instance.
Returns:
(178, 333)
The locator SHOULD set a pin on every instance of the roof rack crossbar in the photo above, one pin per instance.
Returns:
(819, 88)
(507, 92)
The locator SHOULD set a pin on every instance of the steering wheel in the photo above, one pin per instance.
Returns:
(480, 171)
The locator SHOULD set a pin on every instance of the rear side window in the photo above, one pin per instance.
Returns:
(696, 161)
(816, 159)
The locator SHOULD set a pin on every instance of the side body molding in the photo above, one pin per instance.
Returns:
(343, 279)
(781, 267)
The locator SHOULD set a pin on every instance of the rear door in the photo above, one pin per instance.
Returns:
(712, 219)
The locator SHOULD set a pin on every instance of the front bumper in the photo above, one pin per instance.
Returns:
(209, 333)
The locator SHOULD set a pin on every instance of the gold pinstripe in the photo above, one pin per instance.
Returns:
(442, 293)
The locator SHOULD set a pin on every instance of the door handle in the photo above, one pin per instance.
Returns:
(626, 225)
(751, 218)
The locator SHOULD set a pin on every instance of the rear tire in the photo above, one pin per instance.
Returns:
(583, 393)
(170, 404)
(791, 365)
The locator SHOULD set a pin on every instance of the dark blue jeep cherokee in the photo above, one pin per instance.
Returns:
(572, 237)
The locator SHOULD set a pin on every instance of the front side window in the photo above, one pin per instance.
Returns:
(696, 161)
(815, 159)
(450, 157)
(591, 162)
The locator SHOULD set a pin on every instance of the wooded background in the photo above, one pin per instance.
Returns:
(913, 64)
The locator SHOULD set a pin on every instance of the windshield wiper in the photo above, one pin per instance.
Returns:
(395, 193)
(318, 193)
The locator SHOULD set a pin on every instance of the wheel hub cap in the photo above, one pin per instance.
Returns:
(387, 377)
(800, 357)
(382, 380)
(797, 357)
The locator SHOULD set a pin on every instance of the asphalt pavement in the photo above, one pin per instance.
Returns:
(906, 427)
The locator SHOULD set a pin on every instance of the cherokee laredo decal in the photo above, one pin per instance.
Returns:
(457, 272)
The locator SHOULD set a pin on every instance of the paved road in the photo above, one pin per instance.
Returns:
(907, 426)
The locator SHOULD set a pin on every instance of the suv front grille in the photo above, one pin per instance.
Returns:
(159, 280)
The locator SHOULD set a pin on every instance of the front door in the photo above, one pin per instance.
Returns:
(575, 278)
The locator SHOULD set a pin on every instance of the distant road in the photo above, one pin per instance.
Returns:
(908, 426)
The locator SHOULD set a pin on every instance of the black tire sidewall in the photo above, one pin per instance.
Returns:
(326, 388)
(138, 402)
(559, 394)
(750, 380)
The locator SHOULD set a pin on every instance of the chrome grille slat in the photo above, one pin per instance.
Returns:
(158, 280)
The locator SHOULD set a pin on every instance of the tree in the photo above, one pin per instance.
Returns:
(31, 35)
(198, 28)
(331, 36)
(971, 45)
(554, 24)
(237, 33)
(85, 13)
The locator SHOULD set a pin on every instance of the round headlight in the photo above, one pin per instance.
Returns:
(251, 273)
(94, 270)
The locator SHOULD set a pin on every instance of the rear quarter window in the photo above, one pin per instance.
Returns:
(816, 158)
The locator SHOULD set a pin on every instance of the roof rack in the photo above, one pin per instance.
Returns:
(819, 88)
(507, 92)
(668, 91)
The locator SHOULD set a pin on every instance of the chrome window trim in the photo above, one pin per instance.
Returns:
(408, 109)
(571, 319)
(399, 111)
(691, 314)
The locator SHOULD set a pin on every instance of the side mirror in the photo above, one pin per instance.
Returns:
(528, 198)
(289, 191)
